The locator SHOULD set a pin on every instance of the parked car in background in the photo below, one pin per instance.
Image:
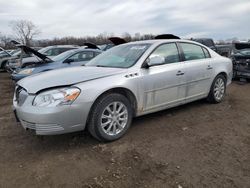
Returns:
(241, 60)
(223, 50)
(105, 47)
(3, 56)
(12, 57)
(75, 57)
(131, 79)
(49, 51)
(207, 42)
(14, 51)
(115, 41)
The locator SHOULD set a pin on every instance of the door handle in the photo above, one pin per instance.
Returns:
(179, 73)
(209, 67)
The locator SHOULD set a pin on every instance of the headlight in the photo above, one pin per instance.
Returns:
(26, 71)
(52, 98)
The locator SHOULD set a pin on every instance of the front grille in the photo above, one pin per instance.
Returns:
(21, 95)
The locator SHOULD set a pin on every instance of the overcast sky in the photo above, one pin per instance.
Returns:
(219, 19)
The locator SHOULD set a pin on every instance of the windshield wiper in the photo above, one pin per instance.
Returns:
(101, 66)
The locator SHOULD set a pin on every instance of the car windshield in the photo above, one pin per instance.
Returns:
(14, 51)
(43, 50)
(3, 53)
(63, 55)
(122, 56)
(17, 53)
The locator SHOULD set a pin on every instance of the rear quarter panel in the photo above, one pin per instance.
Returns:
(222, 65)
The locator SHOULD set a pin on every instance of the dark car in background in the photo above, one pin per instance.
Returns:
(223, 50)
(241, 60)
(207, 42)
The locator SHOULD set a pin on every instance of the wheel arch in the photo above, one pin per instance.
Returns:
(120, 90)
(223, 73)
(3, 63)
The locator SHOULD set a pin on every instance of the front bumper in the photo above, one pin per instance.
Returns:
(52, 120)
(242, 74)
(241, 70)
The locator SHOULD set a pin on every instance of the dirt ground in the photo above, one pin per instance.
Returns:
(195, 145)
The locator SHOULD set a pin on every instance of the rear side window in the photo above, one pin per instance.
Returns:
(207, 54)
(61, 50)
(168, 51)
(192, 51)
(208, 42)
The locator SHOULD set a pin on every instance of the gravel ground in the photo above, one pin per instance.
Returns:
(195, 145)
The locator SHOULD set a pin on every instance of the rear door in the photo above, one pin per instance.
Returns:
(198, 70)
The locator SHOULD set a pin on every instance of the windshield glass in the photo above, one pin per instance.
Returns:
(63, 55)
(43, 50)
(123, 56)
(14, 51)
(2, 54)
(17, 53)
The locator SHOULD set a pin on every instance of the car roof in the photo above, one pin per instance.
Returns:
(159, 41)
(63, 46)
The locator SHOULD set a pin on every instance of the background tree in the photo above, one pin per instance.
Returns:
(25, 31)
(5, 41)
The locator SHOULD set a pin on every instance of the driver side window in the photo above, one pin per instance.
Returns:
(168, 52)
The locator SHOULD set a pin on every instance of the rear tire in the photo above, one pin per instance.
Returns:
(110, 117)
(218, 89)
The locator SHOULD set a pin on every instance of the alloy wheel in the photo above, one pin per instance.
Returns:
(219, 89)
(114, 118)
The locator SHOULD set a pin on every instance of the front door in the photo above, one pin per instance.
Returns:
(164, 84)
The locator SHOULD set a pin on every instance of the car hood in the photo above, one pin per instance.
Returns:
(65, 77)
(32, 59)
(27, 50)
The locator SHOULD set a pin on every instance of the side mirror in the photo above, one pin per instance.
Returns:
(155, 60)
(68, 61)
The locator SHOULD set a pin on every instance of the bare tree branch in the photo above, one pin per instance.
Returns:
(25, 31)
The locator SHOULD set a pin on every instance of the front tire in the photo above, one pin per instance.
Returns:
(110, 117)
(217, 90)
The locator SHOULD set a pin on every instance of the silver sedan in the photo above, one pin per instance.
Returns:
(129, 80)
